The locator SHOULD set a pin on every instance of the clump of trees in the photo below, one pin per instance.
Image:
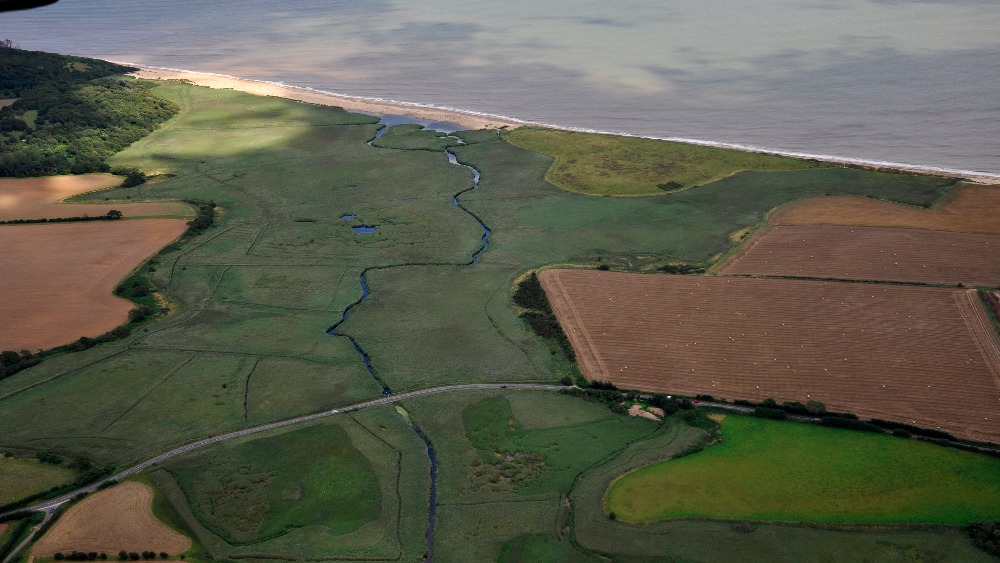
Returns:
(530, 296)
(81, 556)
(135, 555)
(79, 117)
(204, 219)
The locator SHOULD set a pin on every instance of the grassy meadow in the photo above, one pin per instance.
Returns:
(22, 477)
(767, 470)
(521, 474)
(351, 487)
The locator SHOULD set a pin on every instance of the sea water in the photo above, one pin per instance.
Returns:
(907, 81)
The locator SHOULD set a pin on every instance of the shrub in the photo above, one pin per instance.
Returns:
(985, 535)
(767, 412)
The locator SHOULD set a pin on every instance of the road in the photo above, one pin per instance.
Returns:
(27, 540)
(389, 399)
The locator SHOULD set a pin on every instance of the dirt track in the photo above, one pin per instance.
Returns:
(870, 253)
(56, 280)
(37, 198)
(914, 354)
(115, 519)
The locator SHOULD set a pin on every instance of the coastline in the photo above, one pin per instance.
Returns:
(478, 120)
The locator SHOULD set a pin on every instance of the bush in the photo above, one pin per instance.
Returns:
(849, 423)
(985, 535)
(766, 412)
(815, 407)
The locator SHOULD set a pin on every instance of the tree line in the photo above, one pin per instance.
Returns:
(81, 116)
(111, 215)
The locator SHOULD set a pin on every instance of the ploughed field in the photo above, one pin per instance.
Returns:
(966, 209)
(871, 253)
(64, 275)
(41, 198)
(112, 520)
(922, 355)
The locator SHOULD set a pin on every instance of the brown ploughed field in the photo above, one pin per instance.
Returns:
(966, 209)
(112, 520)
(922, 355)
(870, 253)
(56, 280)
(37, 198)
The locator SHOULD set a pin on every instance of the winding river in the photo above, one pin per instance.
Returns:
(389, 121)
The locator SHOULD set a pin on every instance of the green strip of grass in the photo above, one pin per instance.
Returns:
(767, 470)
(628, 166)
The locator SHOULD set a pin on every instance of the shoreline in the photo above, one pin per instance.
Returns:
(479, 120)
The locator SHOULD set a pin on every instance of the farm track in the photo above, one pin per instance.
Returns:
(904, 353)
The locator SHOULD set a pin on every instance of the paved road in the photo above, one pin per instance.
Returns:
(52, 503)
(27, 540)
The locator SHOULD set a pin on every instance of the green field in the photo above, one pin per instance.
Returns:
(521, 474)
(596, 164)
(767, 470)
(350, 487)
(22, 477)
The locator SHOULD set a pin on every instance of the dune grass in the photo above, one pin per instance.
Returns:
(767, 470)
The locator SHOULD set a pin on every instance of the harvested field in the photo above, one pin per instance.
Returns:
(967, 209)
(926, 356)
(56, 280)
(870, 253)
(115, 519)
(7, 102)
(37, 198)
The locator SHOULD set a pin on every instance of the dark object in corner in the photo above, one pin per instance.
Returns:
(11, 5)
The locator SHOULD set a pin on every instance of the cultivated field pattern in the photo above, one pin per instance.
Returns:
(63, 276)
(41, 198)
(966, 209)
(922, 355)
(115, 519)
(870, 253)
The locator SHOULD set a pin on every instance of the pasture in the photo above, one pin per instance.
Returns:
(920, 355)
(22, 477)
(869, 253)
(111, 520)
(768, 470)
(64, 275)
(353, 487)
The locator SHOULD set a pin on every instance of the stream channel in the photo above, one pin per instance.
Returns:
(389, 121)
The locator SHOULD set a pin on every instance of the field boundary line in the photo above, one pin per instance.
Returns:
(981, 330)
(190, 446)
(155, 386)
(589, 355)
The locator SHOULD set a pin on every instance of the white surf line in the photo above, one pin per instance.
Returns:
(50, 504)
(921, 168)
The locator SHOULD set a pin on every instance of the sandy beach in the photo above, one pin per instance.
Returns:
(468, 120)
(473, 120)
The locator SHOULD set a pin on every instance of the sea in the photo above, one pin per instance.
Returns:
(913, 82)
